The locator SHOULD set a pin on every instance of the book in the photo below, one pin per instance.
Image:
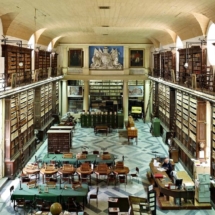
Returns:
(113, 200)
(113, 209)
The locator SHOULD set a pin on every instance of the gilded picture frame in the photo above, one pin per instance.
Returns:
(75, 58)
(136, 58)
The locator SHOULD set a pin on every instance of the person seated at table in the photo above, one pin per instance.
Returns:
(167, 166)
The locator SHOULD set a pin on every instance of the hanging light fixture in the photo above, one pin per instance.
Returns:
(37, 48)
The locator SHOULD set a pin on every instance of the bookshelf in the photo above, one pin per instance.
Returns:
(19, 132)
(54, 65)
(164, 104)
(213, 142)
(196, 59)
(167, 63)
(42, 62)
(17, 65)
(102, 91)
(155, 100)
(156, 65)
(190, 128)
(43, 109)
(59, 140)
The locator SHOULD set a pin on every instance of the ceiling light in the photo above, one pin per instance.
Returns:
(104, 7)
(105, 26)
(105, 34)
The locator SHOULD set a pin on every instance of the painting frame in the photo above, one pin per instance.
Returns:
(136, 58)
(75, 58)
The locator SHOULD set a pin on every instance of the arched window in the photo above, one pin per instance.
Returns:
(210, 46)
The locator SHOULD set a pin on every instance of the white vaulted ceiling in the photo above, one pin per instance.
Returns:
(129, 21)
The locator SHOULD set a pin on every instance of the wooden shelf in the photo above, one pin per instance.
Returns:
(102, 91)
(19, 135)
(15, 74)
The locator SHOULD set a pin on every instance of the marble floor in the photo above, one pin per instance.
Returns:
(135, 155)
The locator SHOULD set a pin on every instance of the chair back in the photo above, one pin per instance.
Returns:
(137, 170)
(96, 152)
(67, 155)
(50, 167)
(85, 152)
(11, 189)
(97, 191)
(85, 167)
(103, 167)
(119, 165)
(67, 167)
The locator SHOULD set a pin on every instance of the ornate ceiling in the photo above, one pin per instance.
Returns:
(125, 22)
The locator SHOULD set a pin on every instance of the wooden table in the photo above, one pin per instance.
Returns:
(101, 128)
(32, 171)
(45, 172)
(54, 194)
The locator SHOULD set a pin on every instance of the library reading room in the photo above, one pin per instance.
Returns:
(107, 107)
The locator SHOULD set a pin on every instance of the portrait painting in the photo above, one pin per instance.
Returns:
(75, 91)
(136, 58)
(75, 58)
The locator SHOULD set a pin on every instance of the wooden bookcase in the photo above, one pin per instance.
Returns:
(54, 65)
(59, 140)
(190, 128)
(16, 74)
(167, 63)
(19, 133)
(213, 142)
(101, 91)
(156, 69)
(43, 109)
(155, 100)
(42, 62)
(196, 59)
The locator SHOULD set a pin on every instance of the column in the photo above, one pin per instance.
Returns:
(60, 97)
(146, 100)
(86, 96)
(64, 98)
(125, 100)
(2, 137)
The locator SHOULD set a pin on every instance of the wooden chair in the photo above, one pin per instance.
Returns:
(122, 179)
(136, 174)
(85, 152)
(20, 204)
(112, 178)
(105, 153)
(94, 196)
(73, 206)
(96, 152)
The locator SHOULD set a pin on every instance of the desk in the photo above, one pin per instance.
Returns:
(161, 182)
(59, 159)
(54, 194)
(45, 172)
(122, 203)
(107, 161)
(101, 128)
(30, 171)
(91, 158)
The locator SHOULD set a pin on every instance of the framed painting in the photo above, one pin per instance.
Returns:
(75, 58)
(136, 58)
